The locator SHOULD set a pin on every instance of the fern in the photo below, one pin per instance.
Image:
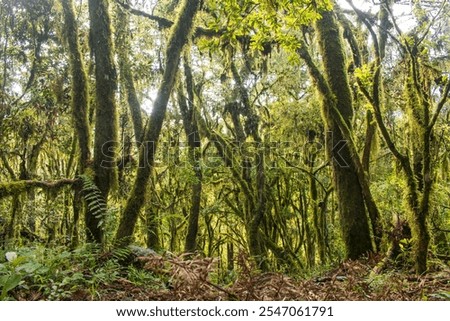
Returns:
(121, 253)
(95, 201)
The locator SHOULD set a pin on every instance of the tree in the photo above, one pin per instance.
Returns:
(338, 111)
(106, 122)
(419, 101)
(175, 45)
(79, 90)
(187, 108)
(79, 102)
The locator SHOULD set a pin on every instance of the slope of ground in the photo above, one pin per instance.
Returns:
(352, 280)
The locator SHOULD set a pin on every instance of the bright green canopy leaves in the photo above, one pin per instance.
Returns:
(259, 24)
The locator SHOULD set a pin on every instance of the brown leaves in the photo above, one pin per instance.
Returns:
(188, 277)
(191, 277)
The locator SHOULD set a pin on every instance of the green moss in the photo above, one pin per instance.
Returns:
(348, 178)
(13, 188)
(79, 90)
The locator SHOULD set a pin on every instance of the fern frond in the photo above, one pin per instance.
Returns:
(95, 201)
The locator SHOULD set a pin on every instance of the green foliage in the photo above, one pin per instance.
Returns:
(95, 201)
(442, 295)
(9, 280)
(364, 75)
(378, 282)
(265, 21)
(142, 277)
(262, 38)
(57, 273)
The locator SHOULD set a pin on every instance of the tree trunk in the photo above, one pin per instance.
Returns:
(194, 154)
(80, 107)
(176, 43)
(152, 224)
(126, 79)
(79, 90)
(106, 120)
(251, 126)
(126, 76)
(363, 166)
(351, 204)
(317, 217)
(421, 241)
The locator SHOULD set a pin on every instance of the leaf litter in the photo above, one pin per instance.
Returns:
(190, 277)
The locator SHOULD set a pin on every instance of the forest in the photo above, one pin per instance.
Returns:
(224, 150)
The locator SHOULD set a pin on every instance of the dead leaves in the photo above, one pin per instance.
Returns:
(191, 277)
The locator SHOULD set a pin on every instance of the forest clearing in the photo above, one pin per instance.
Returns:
(224, 150)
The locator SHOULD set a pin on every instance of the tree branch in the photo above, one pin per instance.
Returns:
(440, 105)
(164, 23)
(14, 188)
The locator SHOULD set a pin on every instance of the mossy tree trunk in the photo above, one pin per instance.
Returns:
(187, 108)
(80, 106)
(153, 222)
(177, 40)
(258, 211)
(79, 89)
(106, 122)
(337, 107)
(126, 75)
(419, 169)
(361, 56)
(318, 215)
(417, 162)
(126, 79)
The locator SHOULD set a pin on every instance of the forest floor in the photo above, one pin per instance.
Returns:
(351, 280)
(181, 278)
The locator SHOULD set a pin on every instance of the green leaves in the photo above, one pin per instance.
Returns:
(94, 199)
(7, 283)
(56, 273)
(364, 75)
(264, 21)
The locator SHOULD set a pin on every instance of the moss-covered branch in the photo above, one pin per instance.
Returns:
(18, 187)
(164, 23)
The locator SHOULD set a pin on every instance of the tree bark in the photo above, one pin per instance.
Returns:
(80, 107)
(251, 127)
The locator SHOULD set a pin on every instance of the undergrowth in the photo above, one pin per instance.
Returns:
(55, 273)
(88, 273)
